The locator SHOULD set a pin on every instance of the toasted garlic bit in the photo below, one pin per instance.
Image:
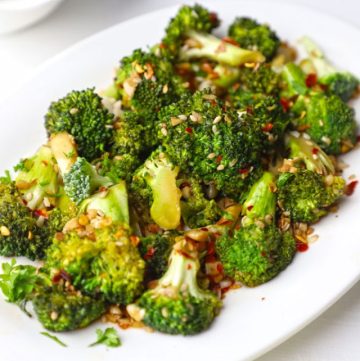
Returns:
(135, 312)
(4, 231)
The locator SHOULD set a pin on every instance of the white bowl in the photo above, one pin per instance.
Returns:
(18, 14)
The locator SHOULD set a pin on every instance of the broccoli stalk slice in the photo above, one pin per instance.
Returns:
(160, 175)
(294, 78)
(83, 180)
(64, 150)
(261, 200)
(311, 154)
(211, 47)
(181, 274)
(112, 203)
(341, 83)
(38, 178)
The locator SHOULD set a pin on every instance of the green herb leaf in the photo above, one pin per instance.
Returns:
(54, 338)
(6, 178)
(109, 337)
(17, 281)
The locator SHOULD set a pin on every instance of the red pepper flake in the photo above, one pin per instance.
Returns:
(220, 268)
(211, 248)
(149, 253)
(311, 80)
(135, 240)
(243, 171)
(213, 18)
(301, 246)
(185, 254)
(207, 68)
(358, 139)
(250, 110)
(315, 151)
(210, 259)
(350, 188)
(189, 266)
(188, 130)
(218, 159)
(263, 254)
(61, 275)
(229, 40)
(249, 208)
(204, 229)
(40, 213)
(267, 127)
(184, 185)
(285, 104)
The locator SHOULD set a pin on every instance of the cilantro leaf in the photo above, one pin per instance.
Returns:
(54, 338)
(108, 337)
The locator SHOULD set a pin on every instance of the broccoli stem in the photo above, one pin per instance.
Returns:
(311, 154)
(211, 47)
(113, 203)
(261, 200)
(294, 79)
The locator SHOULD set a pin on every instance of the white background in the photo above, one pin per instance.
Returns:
(334, 336)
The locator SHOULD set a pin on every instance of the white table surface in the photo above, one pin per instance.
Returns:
(334, 336)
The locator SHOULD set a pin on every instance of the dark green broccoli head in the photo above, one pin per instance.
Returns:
(342, 84)
(82, 181)
(330, 122)
(20, 234)
(37, 179)
(195, 18)
(261, 79)
(81, 114)
(177, 305)
(307, 195)
(254, 255)
(146, 82)
(119, 167)
(154, 186)
(213, 144)
(155, 250)
(196, 210)
(104, 263)
(265, 113)
(60, 310)
(252, 35)
(258, 251)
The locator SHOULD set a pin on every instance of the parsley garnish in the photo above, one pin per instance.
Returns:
(6, 178)
(108, 337)
(17, 282)
(54, 338)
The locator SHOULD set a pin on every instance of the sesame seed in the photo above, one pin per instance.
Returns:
(326, 140)
(30, 235)
(195, 117)
(46, 202)
(306, 136)
(40, 221)
(164, 131)
(240, 114)
(250, 65)
(4, 231)
(211, 155)
(220, 167)
(165, 89)
(73, 111)
(215, 129)
(54, 315)
(217, 119)
(182, 117)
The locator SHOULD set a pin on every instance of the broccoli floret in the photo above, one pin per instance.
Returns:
(210, 143)
(104, 263)
(254, 36)
(195, 18)
(330, 123)
(60, 309)
(307, 193)
(257, 252)
(20, 234)
(177, 305)
(81, 114)
(187, 37)
(37, 179)
(154, 183)
(340, 83)
(83, 180)
(196, 210)
(155, 250)
(112, 203)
